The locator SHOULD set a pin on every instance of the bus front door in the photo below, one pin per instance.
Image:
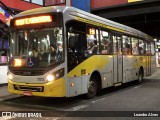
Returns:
(117, 61)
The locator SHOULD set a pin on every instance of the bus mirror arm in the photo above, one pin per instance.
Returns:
(86, 54)
(70, 30)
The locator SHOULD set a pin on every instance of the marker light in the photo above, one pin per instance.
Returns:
(72, 84)
(10, 76)
(50, 78)
(57, 75)
(17, 62)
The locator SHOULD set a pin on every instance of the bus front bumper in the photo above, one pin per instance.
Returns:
(51, 89)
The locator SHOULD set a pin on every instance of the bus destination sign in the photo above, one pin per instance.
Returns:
(33, 20)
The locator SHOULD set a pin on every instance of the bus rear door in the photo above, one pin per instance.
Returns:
(148, 63)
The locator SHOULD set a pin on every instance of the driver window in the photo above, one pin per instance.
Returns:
(77, 43)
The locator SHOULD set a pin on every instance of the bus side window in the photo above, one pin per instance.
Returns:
(117, 44)
(92, 44)
(148, 48)
(105, 42)
(92, 40)
(142, 47)
(135, 46)
(114, 44)
(152, 48)
(126, 45)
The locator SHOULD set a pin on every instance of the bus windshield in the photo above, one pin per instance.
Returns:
(37, 47)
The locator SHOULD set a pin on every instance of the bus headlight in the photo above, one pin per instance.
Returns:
(10, 76)
(50, 78)
(56, 75)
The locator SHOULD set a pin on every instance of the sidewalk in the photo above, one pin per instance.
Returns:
(4, 94)
(155, 75)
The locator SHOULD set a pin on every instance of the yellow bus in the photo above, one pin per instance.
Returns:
(64, 52)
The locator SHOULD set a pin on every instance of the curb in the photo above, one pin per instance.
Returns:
(4, 84)
(8, 97)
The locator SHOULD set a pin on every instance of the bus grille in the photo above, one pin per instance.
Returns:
(28, 72)
(29, 88)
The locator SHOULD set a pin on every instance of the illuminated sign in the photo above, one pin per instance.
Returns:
(134, 1)
(92, 31)
(33, 20)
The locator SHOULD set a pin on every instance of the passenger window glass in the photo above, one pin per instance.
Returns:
(152, 48)
(126, 45)
(119, 40)
(92, 40)
(117, 45)
(135, 47)
(148, 48)
(142, 47)
(114, 44)
(105, 43)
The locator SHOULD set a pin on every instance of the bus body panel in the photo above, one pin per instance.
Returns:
(132, 64)
(29, 79)
(80, 75)
(127, 68)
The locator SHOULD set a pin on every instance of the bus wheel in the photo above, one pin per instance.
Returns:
(92, 89)
(140, 76)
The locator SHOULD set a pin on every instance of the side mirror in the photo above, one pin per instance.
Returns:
(70, 30)
(72, 42)
(56, 31)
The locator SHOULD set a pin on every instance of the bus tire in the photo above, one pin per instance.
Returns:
(140, 76)
(92, 89)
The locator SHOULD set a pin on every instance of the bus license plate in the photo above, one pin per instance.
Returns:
(27, 93)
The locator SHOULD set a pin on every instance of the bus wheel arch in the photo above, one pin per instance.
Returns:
(140, 74)
(95, 85)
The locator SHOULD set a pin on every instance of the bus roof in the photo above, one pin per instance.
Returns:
(79, 13)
